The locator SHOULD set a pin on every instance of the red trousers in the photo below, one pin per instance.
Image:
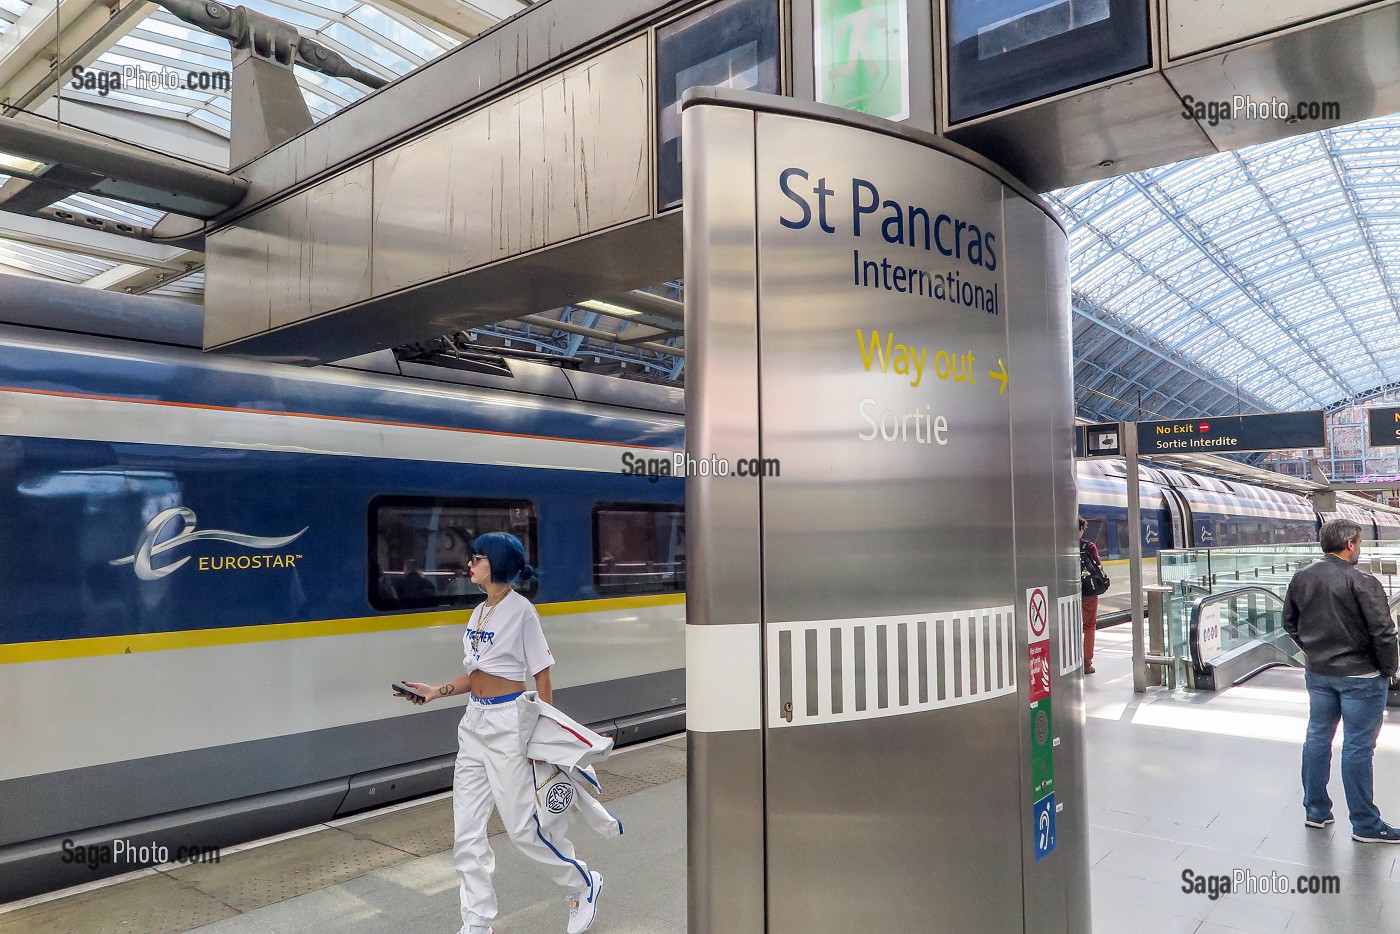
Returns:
(1091, 619)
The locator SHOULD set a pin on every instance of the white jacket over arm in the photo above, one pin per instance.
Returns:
(552, 737)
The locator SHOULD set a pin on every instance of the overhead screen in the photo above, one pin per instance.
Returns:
(1385, 427)
(731, 44)
(1002, 53)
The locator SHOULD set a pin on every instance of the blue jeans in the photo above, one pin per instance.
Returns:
(1359, 704)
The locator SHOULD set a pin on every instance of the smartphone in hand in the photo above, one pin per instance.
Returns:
(406, 691)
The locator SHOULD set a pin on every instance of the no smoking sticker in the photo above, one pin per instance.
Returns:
(1038, 614)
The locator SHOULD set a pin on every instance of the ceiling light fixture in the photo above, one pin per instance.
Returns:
(608, 308)
(22, 165)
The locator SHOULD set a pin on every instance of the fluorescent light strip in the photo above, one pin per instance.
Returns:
(21, 164)
(608, 308)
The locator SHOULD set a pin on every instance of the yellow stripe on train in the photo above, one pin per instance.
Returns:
(21, 652)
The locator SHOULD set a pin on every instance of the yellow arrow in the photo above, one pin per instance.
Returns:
(1003, 376)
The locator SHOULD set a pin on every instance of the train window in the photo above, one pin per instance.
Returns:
(419, 547)
(1097, 532)
(638, 548)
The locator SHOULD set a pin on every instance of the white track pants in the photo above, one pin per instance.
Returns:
(492, 768)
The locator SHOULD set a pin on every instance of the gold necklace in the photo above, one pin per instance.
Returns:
(486, 610)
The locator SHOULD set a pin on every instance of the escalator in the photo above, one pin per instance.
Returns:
(1237, 634)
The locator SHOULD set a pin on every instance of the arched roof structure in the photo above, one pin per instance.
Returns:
(1259, 280)
(1264, 279)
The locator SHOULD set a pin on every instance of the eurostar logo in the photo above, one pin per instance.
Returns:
(150, 544)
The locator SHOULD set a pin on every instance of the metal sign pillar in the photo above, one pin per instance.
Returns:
(1129, 437)
(884, 688)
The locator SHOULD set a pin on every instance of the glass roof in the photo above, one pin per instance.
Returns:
(384, 43)
(1273, 269)
(1267, 276)
(26, 259)
(384, 40)
(190, 287)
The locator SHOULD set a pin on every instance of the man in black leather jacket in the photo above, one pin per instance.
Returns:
(1339, 616)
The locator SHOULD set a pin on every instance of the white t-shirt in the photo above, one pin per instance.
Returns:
(506, 640)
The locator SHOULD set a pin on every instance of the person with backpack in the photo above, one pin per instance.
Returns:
(1092, 582)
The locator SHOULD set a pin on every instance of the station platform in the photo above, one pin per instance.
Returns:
(1205, 783)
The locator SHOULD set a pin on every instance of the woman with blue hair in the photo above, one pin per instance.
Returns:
(504, 644)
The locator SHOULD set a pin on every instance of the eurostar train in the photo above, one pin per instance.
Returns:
(1182, 509)
(213, 570)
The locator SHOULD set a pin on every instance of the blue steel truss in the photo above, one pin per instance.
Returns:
(606, 348)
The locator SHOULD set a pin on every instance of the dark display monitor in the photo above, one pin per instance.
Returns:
(1002, 53)
(731, 44)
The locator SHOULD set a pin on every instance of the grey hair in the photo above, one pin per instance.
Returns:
(1336, 533)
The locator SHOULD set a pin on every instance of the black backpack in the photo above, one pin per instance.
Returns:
(1092, 579)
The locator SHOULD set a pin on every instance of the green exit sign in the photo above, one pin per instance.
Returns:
(861, 56)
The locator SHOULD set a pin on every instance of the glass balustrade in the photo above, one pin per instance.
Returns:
(1194, 573)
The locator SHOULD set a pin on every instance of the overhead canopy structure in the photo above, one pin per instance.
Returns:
(386, 38)
(1264, 279)
(1257, 280)
(104, 67)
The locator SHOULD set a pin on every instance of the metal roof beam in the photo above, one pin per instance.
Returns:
(456, 20)
(1095, 338)
(1198, 238)
(126, 172)
(1186, 301)
(165, 132)
(8, 269)
(46, 233)
(138, 280)
(667, 309)
(50, 304)
(661, 365)
(1111, 408)
(603, 337)
(1147, 393)
(1085, 308)
(1339, 172)
(1321, 280)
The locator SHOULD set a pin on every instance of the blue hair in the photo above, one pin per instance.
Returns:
(507, 557)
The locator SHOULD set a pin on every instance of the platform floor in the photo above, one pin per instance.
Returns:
(1205, 783)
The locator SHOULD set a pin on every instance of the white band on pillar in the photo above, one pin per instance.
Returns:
(723, 678)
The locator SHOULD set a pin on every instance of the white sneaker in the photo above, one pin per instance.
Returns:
(583, 906)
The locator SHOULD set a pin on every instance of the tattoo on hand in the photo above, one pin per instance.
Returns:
(447, 689)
